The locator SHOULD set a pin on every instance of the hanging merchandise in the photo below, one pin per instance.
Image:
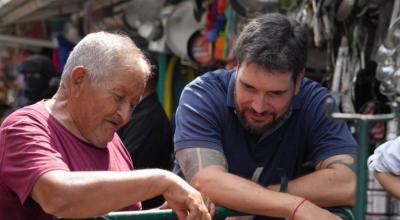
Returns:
(64, 48)
(162, 61)
(168, 101)
(145, 17)
(344, 10)
(388, 70)
(216, 19)
(211, 21)
(220, 44)
(200, 51)
(341, 84)
(230, 31)
(169, 83)
(254, 8)
(180, 26)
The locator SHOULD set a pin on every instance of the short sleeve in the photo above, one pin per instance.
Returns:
(26, 153)
(327, 137)
(198, 117)
(386, 158)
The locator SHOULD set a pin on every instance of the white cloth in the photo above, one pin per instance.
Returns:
(386, 158)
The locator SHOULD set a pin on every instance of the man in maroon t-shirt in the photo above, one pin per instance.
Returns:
(62, 156)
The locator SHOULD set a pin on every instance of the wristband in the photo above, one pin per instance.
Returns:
(297, 207)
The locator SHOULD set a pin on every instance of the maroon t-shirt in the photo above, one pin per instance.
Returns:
(32, 142)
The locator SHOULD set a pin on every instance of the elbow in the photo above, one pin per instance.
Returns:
(205, 179)
(200, 182)
(57, 202)
(56, 206)
(350, 198)
(349, 192)
(55, 209)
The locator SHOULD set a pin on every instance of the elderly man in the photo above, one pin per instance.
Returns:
(263, 120)
(62, 156)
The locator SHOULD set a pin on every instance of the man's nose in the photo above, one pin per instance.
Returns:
(125, 112)
(259, 103)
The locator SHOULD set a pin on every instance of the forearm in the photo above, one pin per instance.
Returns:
(84, 194)
(239, 194)
(390, 183)
(325, 187)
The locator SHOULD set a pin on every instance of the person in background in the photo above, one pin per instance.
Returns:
(385, 163)
(62, 156)
(38, 80)
(239, 131)
(148, 135)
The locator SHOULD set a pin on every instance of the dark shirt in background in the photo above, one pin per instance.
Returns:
(148, 138)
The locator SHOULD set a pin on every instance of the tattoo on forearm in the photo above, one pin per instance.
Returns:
(348, 164)
(192, 160)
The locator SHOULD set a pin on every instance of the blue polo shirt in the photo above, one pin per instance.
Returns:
(206, 118)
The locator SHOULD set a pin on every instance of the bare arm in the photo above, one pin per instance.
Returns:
(332, 184)
(390, 183)
(87, 194)
(207, 171)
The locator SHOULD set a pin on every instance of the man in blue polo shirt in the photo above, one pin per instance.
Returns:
(251, 124)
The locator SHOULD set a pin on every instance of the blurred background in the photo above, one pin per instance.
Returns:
(354, 50)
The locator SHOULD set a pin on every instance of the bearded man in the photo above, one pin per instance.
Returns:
(237, 131)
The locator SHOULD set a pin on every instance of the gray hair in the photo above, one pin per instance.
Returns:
(101, 53)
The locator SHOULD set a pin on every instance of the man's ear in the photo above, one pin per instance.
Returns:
(78, 78)
(299, 80)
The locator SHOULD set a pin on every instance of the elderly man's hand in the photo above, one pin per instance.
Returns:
(210, 205)
(186, 201)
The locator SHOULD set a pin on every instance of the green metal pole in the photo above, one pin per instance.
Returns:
(162, 70)
(361, 168)
(220, 214)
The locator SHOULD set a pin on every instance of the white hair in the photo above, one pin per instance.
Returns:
(102, 53)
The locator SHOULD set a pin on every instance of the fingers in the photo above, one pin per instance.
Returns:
(209, 204)
(165, 206)
(211, 209)
(194, 212)
(198, 210)
(186, 201)
(181, 214)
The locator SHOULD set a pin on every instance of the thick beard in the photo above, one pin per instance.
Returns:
(257, 129)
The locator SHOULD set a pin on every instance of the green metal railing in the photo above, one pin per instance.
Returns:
(167, 214)
(362, 155)
(220, 214)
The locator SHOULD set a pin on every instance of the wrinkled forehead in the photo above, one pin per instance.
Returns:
(124, 78)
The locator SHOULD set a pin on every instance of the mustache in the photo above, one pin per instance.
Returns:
(264, 113)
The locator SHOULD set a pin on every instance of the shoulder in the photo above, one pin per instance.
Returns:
(312, 89)
(213, 81)
(35, 114)
(208, 88)
(203, 103)
(312, 94)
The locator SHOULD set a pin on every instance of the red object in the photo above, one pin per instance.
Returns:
(297, 207)
(56, 61)
(222, 4)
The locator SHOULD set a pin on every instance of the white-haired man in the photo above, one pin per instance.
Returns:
(62, 156)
